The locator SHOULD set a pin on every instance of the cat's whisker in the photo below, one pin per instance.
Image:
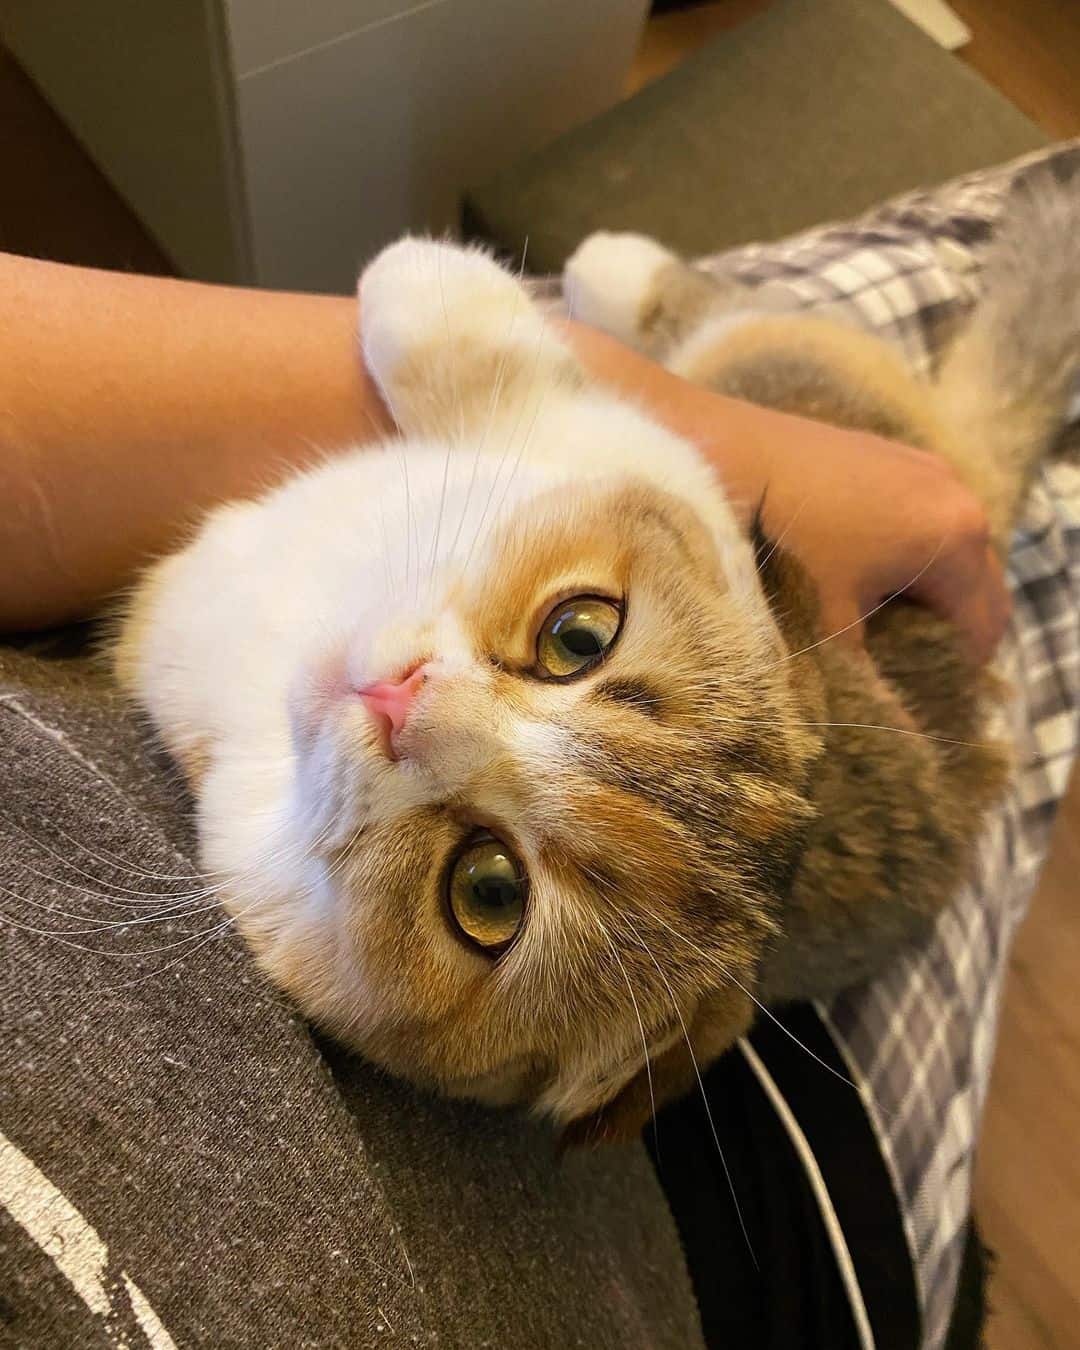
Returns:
(718, 965)
(493, 405)
(120, 892)
(63, 934)
(449, 440)
(106, 925)
(497, 515)
(716, 689)
(129, 898)
(787, 1031)
(61, 937)
(516, 466)
(198, 939)
(863, 726)
(390, 444)
(704, 1094)
(813, 646)
(385, 551)
(637, 1011)
(106, 858)
(168, 911)
(342, 860)
(213, 886)
(403, 461)
(159, 906)
(434, 558)
(218, 931)
(119, 895)
(777, 544)
(507, 447)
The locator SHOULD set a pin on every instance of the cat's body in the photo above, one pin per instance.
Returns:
(710, 807)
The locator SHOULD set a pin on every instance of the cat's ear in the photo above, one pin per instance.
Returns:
(719, 1023)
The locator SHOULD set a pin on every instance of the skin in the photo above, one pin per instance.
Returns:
(129, 404)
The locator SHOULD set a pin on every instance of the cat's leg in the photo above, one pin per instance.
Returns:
(641, 293)
(450, 337)
(803, 364)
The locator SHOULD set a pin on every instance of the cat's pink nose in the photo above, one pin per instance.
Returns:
(389, 701)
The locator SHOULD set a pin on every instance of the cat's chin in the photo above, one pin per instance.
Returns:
(515, 1084)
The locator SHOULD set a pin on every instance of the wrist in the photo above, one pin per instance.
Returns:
(742, 444)
(739, 440)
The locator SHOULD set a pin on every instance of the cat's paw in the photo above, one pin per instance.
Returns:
(609, 279)
(423, 292)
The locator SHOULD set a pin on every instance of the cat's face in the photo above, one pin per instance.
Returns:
(551, 837)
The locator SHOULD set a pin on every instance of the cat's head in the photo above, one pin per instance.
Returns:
(553, 798)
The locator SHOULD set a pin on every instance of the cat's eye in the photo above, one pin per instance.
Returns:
(486, 893)
(576, 635)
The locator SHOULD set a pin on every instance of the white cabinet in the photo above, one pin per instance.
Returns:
(283, 142)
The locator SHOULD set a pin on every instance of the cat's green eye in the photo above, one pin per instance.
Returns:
(486, 893)
(576, 635)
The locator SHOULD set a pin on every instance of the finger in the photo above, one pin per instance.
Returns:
(990, 618)
(967, 589)
(841, 622)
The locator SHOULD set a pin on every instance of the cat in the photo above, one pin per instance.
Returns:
(528, 771)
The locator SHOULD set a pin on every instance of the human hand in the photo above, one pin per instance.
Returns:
(868, 517)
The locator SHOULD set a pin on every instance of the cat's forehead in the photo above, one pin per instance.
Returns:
(565, 541)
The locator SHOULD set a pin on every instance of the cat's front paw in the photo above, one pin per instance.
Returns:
(609, 280)
(422, 292)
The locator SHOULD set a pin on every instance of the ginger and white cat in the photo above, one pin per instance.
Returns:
(525, 768)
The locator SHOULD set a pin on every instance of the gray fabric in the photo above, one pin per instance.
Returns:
(255, 1190)
(812, 110)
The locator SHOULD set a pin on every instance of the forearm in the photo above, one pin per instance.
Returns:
(743, 442)
(866, 516)
(128, 404)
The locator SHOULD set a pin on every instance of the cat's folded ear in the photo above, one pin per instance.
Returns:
(718, 1025)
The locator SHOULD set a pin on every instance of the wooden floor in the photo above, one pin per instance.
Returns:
(1027, 1192)
(1030, 49)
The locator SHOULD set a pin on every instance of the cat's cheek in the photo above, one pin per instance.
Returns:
(332, 791)
(315, 693)
(328, 810)
(304, 950)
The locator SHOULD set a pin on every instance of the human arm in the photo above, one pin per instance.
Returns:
(129, 404)
(868, 517)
